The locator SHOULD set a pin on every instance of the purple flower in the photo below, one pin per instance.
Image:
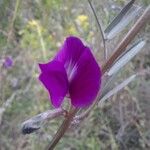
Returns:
(8, 62)
(73, 71)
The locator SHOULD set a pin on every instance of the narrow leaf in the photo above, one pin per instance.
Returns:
(126, 58)
(116, 89)
(119, 26)
(108, 85)
(117, 19)
(123, 23)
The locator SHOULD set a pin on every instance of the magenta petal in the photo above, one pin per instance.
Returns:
(70, 53)
(86, 83)
(71, 50)
(54, 78)
(73, 70)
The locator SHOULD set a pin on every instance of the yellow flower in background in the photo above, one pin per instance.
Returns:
(83, 21)
(82, 18)
(72, 30)
(33, 23)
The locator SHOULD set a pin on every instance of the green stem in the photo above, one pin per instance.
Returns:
(41, 41)
(13, 19)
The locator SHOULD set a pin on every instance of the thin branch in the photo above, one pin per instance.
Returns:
(8, 103)
(100, 28)
(17, 4)
(41, 41)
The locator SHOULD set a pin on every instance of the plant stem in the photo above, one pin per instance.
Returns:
(13, 20)
(62, 129)
(119, 50)
(100, 28)
(41, 41)
(127, 39)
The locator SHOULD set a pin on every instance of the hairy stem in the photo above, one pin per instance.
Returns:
(62, 129)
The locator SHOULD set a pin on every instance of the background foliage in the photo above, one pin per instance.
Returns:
(31, 32)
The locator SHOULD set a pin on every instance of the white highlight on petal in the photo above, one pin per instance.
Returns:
(71, 68)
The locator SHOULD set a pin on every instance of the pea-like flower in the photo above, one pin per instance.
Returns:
(74, 72)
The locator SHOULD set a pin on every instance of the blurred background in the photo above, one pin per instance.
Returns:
(31, 32)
